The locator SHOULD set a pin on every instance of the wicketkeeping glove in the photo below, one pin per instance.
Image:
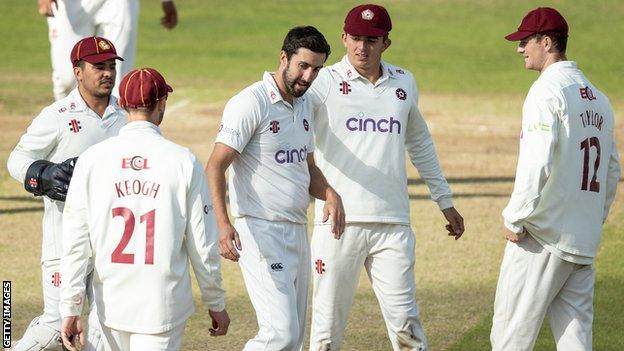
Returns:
(49, 178)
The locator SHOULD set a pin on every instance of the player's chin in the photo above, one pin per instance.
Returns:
(300, 90)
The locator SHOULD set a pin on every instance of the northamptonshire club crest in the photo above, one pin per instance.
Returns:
(306, 125)
(368, 15)
(274, 127)
(401, 94)
(345, 88)
(587, 93)
(319, 266)
(74, 125)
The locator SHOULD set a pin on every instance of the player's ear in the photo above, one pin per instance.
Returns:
(386, 42)
(344, 39)
(78, 73)
(283, 59)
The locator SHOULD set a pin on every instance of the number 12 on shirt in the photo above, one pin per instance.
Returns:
(118, 256)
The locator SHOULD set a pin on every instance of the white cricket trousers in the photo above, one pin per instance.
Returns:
(387, 253)
(532, 283)
(275, 262)
(115, 20)
(119, 340)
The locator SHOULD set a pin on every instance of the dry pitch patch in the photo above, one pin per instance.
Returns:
(476, 139)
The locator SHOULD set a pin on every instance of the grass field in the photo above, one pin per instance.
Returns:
(472, 86)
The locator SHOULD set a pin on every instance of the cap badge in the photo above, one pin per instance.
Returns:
(104, 45)
(368, 15)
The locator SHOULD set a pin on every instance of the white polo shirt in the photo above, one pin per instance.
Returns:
(139, 207)
(568, 166)
(270, 177)
(62, 130)
(362, 133)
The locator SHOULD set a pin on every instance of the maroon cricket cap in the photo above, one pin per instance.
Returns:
(369, 20)
(142, 88)
(540, 20)
(93, 50)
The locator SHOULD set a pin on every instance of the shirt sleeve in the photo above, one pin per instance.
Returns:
(419, 146)
(537, 143)
(613, 177)
(319, 90)
(37, 143)
(241, 118)
(76, 244)
(202, 241)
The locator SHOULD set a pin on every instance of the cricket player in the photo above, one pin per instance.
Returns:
(568, 169)
(117, 20)
(139, 206)
(266, 137)
(43, 161)
(366, 118)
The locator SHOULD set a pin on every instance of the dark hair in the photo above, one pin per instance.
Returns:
(306, 37)
(560, 43)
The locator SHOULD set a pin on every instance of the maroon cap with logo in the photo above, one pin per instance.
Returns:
(93, 50)
(540, 20)
(369, 20)
(142, 88)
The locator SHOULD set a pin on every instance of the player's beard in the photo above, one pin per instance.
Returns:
(291, 84)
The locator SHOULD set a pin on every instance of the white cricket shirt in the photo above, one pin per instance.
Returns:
(362, 132)
(62, 130)
(270, 177)
(139, 206)
(568, 166)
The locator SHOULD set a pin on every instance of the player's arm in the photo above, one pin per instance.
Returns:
(27, 162)
(170, 18)
(76, 255)
(320, 189)
(537, 145)
(613, 177)
(221, 158)
(201, 244)
(420, 148)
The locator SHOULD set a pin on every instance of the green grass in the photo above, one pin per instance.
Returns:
(470, 78)
(221, 46)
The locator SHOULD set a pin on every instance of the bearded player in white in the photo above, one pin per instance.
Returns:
(139, 206)
(117, 20)
(266, 137)
(43, 161)
(568, 170)
(366, 118)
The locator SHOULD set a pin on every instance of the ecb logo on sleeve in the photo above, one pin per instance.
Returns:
(137, 163)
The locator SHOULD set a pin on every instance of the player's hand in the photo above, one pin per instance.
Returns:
(220, 322)
(514, 237)
(170, 19)
(70, 327)
(455, 224)
(229, 243)
(45, 7)
(334, 211)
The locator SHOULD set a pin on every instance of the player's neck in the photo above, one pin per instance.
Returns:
(281, 86)
(95, 103)
(372, 74)
(553, 59)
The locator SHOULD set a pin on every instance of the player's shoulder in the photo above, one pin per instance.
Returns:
(397, 72)
(253, 96)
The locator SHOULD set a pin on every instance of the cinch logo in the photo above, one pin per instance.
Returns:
(136, 162)
(291, 156)
(382, 125)
(276, 267)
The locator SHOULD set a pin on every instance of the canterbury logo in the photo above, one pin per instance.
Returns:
(276, 267)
